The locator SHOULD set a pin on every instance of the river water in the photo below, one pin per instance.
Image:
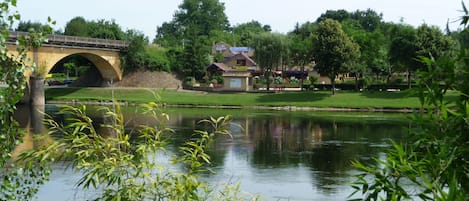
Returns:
(279, 155)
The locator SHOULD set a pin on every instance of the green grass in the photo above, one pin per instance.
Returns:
(300, 99)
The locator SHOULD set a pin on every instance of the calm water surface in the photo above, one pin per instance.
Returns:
(279, 155)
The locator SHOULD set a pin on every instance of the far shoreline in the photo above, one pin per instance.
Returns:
(266, 108)
(344, 101)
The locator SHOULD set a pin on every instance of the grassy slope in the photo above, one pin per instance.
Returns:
(300, 99)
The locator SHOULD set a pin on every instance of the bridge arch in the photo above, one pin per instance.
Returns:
(103, 53)
(107, 62)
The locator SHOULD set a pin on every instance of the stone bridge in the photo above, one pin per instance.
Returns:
(103, 53)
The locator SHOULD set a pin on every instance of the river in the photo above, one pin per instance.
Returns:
(279, 155)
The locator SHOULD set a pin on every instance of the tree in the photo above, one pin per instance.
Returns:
(431, 42)
(403, 49)
(373, 49)
(206, 15)
(271, 50)
(104, 29)
(338, 15)
(245, 32)
(369, 20)
(169, 34)
(31, 26)
(301, 45)
(135, 55)
(196, 55)
(77, 26)
(333, 51)
(191, 29)
(69, 66)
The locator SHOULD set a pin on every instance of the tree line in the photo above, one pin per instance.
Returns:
(365, 46)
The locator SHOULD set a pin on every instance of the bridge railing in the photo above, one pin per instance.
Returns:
(55, 39)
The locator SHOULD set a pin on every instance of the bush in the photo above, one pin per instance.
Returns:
(217, 79)
(157, 59)
(189, 81)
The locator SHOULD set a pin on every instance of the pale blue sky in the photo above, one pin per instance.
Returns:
(146, 15)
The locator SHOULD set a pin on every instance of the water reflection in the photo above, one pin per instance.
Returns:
(31, 118)
(281, 155)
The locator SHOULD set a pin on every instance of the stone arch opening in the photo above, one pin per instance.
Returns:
(74, 70)
(86, 70)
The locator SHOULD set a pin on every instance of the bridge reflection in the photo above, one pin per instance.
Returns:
(31, 119)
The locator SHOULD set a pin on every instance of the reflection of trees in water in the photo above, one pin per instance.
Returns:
(327, 147)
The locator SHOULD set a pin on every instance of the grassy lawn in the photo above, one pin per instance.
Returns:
(300, 99)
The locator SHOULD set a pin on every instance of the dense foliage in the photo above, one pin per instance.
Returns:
(433, 163)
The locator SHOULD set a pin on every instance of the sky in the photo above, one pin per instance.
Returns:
(281, 15)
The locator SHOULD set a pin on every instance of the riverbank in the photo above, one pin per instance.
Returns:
(400, 101)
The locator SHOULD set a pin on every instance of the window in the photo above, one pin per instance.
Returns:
(241, 62)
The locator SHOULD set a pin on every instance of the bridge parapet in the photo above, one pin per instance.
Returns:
(76, 41)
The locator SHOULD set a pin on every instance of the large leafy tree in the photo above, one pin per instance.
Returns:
(105, 29)
(403, 49)
(333, 51)
(271, 51)
(431, 42)
(373, 48)
(191, 29)
(245, 32)
(77, 26)
(206, 16)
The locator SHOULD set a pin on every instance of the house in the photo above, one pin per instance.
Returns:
(236, 69)
(233, 80)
